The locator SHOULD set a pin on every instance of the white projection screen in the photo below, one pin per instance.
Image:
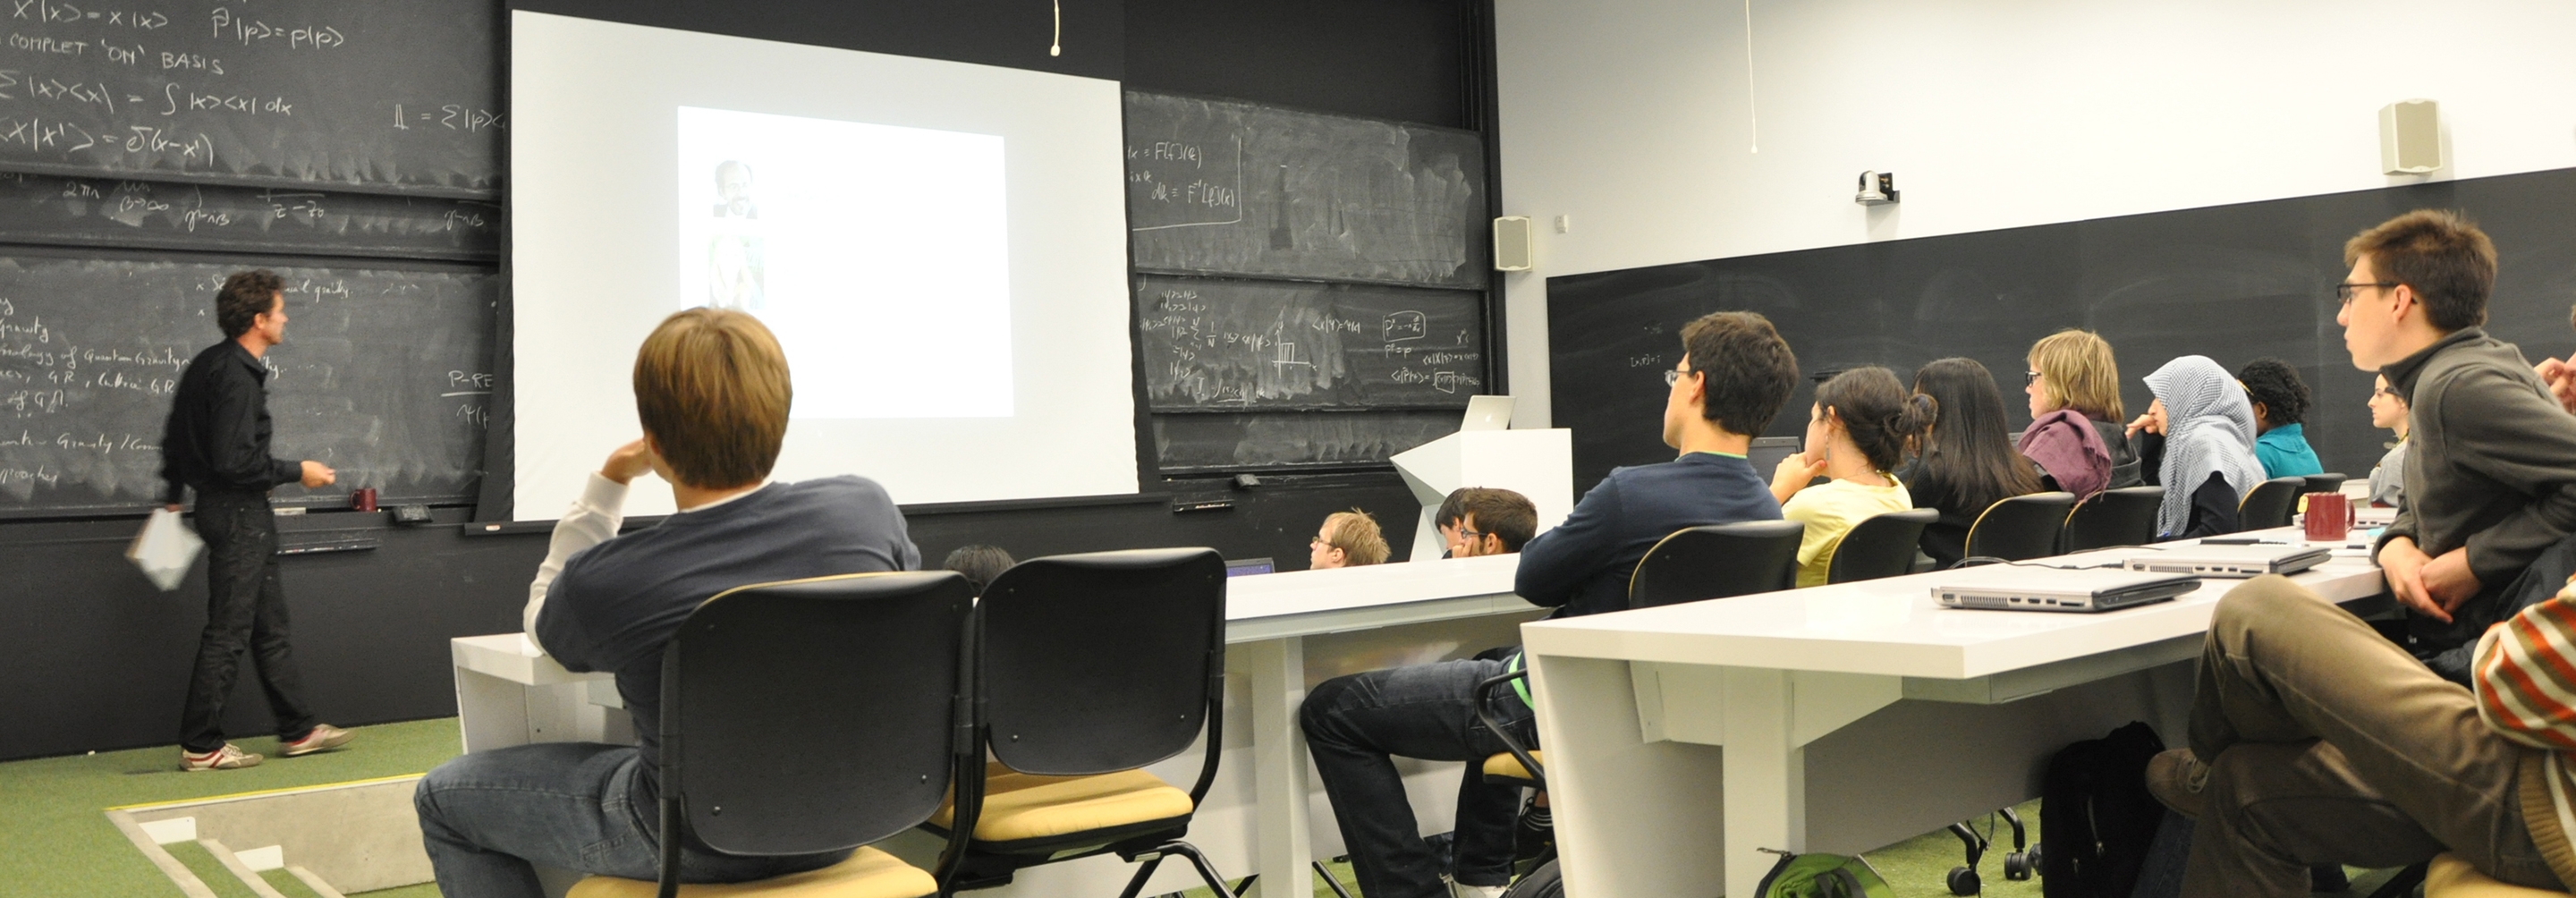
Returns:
(940, 247)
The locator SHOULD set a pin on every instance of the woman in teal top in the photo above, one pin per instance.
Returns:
(2280, 401)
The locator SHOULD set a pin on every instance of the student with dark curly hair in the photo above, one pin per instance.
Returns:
(2280, 402)
(1856, 435)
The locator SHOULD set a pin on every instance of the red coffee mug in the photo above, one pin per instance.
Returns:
(363, 499)
(2330, 517)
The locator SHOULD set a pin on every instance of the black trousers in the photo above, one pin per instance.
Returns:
(245, 614)
(1427, 711)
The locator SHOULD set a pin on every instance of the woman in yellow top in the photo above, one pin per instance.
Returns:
(1856, 433)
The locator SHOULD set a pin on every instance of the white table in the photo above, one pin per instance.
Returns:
(508, 693)
(1849, 717)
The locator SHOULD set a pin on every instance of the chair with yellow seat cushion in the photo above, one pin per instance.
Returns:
(810, 716)
(1503, 768)
(2451, 877)
(868, 873)
(1087, 669)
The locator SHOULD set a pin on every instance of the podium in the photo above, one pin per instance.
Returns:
(1534, 463)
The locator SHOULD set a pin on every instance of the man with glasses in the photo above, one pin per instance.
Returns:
(1734, 374)
(2313, 739)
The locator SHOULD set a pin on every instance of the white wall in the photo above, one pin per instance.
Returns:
(1631, 117)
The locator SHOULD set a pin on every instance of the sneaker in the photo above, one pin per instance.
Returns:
(225, 758)
(2175, 777)
(1463, 890)
(324, 737)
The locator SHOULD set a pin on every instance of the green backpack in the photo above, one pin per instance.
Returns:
(1822, 876)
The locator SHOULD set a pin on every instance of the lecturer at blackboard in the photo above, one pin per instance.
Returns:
(217, 443)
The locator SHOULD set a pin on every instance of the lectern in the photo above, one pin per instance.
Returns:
(1534, 463)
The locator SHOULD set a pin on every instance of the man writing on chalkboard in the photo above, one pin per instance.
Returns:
(217, 443)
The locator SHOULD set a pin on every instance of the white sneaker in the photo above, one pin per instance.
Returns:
(225, 758)
(1463, 890)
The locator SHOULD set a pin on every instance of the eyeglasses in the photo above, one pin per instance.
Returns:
(1674, 377)
(1469, 536)
(2029, 377)
(2344, 291)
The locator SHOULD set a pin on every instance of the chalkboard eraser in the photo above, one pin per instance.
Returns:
(411, 514)
(1187, 504)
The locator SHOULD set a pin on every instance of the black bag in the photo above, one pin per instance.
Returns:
(1543, 882)
(2097, 815)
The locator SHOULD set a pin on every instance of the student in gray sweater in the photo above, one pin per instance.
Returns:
(602, 601)
(2490, 475)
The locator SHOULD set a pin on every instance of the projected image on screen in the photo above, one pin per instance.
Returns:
(878, 254)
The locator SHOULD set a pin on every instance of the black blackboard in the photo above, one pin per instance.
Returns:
(2230, 282)
(383, 95)
(386, 375)
(1233, 345)
(1223, 187)
(1293, 440)
(62, 211)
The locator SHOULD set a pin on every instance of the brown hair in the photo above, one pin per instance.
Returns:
(1356, 534)
(2442, 255)
(712, 391)
(245, 296)
(1877, 411)
(2077, 371)
(1744, 366)
(1508, 515)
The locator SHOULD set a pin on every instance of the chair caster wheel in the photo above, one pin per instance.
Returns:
(1963, 881)
(2019, 865)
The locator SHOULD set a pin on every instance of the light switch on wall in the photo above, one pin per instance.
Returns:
(1565, 224)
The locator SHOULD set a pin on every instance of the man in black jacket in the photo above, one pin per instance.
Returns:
(2491, 482)
(217, 442)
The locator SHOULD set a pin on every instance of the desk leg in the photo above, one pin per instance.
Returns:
(1282, 846)
(1766, 776)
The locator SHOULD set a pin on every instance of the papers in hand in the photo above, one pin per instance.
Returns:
(165, 549)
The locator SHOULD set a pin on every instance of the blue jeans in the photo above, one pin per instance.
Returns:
(1426, 711)
(488, 817)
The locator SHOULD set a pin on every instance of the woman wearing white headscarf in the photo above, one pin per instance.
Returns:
(2208, 448)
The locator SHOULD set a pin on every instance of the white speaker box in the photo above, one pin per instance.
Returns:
(1512, 249)
(2410, 137)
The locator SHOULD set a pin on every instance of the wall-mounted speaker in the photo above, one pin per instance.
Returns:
(1512, 248)
(2410, 137)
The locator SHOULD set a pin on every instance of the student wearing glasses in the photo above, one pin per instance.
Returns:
(2074, 387)
(2388, 412)
(2313, 738)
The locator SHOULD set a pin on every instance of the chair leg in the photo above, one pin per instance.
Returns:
(2403, 883)
(1199, 861)
(1144, 871)
(1245, 885)
(1327, 874)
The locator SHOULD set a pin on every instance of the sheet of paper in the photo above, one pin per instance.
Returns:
(165, 549)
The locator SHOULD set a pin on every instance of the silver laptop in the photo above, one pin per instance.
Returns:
(1488, 413)
(2231, 560)
(2001, 587)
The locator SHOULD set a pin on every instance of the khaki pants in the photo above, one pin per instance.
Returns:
(2329, 744)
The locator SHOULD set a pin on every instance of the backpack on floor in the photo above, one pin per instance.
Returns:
(1822, 876)
(2097, 815)
(1544, 882)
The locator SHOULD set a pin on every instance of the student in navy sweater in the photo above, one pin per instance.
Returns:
(1734, 375)
(711, 389)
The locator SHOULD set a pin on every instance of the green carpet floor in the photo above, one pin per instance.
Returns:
(55, 839)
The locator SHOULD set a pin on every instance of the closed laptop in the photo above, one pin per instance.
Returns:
(1999, 587)
(2231, 560)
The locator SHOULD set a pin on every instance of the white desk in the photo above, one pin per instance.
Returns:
(508, 694)
(1865, 703)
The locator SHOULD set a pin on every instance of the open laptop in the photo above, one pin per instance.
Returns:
(1488, 413)
(2002, 587)
(2208, 560)
(1243, 567)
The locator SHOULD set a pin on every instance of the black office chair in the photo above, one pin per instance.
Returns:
(2121, 517)
(2019, 528)
(1090, 667)
(810, 716)
(1516, 764)
(1716, 561)
(2270, 503)
(2323, 483)
(1881, 546)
